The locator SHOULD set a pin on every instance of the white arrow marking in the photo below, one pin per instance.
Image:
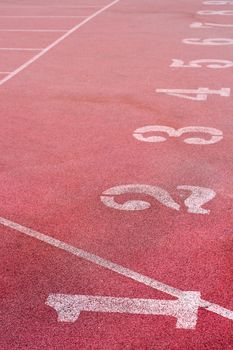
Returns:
(185, 309)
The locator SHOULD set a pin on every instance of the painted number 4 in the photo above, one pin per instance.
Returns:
(201, 93)
(210, 63)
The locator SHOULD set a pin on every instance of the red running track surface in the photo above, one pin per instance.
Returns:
(67, 124)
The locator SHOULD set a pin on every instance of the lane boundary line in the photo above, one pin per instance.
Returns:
(49, 6)
(8, 16)
(20, 49)
(56, 42)
(34, 30)
(121, 270)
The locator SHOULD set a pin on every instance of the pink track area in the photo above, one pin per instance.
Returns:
(66, 136)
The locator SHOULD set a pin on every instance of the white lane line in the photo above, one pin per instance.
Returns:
(34, 30)
(5, 72)
(43, 16)
(19, 49)
(56, 42)
(215, 308)
(51, 6)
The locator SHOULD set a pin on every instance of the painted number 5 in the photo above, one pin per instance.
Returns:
(210, 63)
(198, 197)
(216, 135)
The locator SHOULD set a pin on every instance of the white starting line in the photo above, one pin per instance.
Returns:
(121, 270)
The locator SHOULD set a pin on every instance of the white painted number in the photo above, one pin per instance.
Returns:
(201, 93)
(216, 135)
(209, 25)
(157, 193)
(185, 309)
(215, 41)
(210, 63)
(218, 2)
(199, 196)
(222, 13)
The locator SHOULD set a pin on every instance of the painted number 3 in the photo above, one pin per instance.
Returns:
(198, 197)
(216, 135)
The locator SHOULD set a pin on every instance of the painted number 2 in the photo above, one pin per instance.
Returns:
(198, 197)
(216, 135)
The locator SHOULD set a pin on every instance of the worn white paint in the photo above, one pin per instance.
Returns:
(209, 63)
(119, 269)
(201, 93)
(209, 25)
(209, 12)
(34, 16)
(56, 42)
(20, 49)
(206, 42)
(157, 193)
(216, 135)
(218, 2)
(185, 309)
(35, 30)
(198, 197)
(23, 6)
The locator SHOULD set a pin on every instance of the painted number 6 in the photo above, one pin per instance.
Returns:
(209, 25)
(223, 13)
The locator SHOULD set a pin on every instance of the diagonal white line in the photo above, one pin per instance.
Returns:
(113, 267)
(56, 42)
